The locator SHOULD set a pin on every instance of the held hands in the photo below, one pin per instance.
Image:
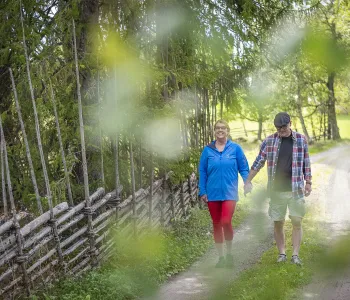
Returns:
(204, 198)
(308, 189)
(248, 187)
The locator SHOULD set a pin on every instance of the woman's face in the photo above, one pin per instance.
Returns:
(221, 131)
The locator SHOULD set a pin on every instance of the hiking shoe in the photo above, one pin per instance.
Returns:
(296, 260)
(229, 261)
(281, 258)
(221, 263)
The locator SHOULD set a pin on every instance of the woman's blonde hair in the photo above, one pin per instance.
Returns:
(222, 122)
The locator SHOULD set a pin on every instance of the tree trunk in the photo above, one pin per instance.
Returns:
(313, 127)
(3, 180)
(209, 131)
(81, 122)
(140, 165)
(88, 210)
(25, 139)
(299, 102)
(88, 15)
(116, 161)
(162, 46)
(63, 156)
(150, 200)
(100, 130)
(332, 118)
(260, 122)
(245, 130)
(204, 119)
(41, 152)
(132, 171)
(196, 124)
(222, 107)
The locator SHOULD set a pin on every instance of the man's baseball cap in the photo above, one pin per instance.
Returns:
(281, 119)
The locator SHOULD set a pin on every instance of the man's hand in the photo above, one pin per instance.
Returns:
(308, 189)
(204, 198)
(248, 186)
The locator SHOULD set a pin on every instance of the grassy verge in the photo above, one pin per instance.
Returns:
(269, 280)
(325, 145)
(139, 266)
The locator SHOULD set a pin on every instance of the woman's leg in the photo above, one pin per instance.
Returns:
(215, 212)
(227, 211)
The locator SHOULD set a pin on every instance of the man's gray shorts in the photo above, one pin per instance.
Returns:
(280, 201)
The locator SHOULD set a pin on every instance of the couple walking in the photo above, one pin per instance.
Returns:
(289, 181)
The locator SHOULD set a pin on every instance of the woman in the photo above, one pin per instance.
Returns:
(220, 163)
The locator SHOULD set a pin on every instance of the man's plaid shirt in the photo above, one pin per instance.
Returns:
(301, 169)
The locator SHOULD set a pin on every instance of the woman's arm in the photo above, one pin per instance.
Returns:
(203, 167)
(242, 163)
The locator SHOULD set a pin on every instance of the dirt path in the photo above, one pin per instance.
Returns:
(255, 236)
(251, 240)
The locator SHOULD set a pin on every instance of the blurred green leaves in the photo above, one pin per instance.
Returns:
(325, 49)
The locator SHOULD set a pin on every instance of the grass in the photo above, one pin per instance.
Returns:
(321, 146)
(269, 280)
(344, 126)
(139, 266)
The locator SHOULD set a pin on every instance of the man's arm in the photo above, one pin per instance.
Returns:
(307, 170)
(256, 167)
(251, 175)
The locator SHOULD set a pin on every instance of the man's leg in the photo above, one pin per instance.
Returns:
(277, 212)
(297, 234)
(279, 236)
(297, 211)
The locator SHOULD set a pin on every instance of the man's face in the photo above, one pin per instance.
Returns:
(284, 131)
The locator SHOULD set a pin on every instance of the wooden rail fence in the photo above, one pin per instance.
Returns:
(29, 258)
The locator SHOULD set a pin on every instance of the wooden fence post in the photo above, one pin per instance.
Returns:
(87, 210)
(190, 191)
(150, 203)
(162, 202)
(21, 258)
(172, 199)
(118, 188)
(182, 199)
(134, 211)
(3, 184)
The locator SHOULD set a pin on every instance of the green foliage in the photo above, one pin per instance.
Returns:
(138, 266)
(181, 169)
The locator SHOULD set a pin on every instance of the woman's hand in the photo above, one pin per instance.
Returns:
(248, 186)
(204, 198)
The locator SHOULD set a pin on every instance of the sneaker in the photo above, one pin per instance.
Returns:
(296, 260)
(229, 261)
(281, 258)
(221, 263)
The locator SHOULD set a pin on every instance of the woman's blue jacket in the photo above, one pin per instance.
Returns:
(218, 171)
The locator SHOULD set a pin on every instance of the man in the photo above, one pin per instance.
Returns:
(288, 166)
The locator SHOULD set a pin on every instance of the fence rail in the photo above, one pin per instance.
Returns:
(39, 248)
